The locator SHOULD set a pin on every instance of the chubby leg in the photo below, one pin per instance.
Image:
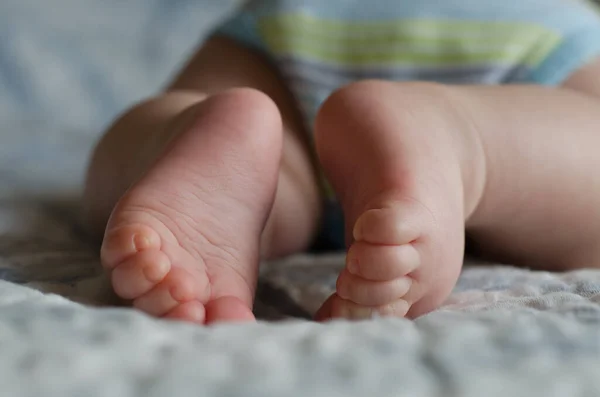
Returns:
(540, 206)
(413, 164)
(195, 181)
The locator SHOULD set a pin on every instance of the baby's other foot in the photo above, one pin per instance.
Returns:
(397, 265)
(183, 242)
(395, 156)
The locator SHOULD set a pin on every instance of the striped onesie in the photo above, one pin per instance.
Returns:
(321, 45)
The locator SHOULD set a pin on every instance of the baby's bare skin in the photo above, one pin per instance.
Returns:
(207, 179)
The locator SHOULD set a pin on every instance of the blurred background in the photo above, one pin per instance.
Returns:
(67, 67)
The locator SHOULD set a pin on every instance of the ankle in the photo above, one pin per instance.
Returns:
(470, 151)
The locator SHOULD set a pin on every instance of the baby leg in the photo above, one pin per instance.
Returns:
(540, 206)
(415, 163)
(193, 183)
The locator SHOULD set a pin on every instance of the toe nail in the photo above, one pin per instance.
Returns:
(357, 232)
(141, 243)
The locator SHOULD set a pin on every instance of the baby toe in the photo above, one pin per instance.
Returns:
(179, 286)
(185, 285)
(140, 273)
(382, 262)
(158, 301)
(342, 308)
(392, 225)
(371, 293)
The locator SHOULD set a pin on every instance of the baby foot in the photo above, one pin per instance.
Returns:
(398, 263)
(399, 180)
(183, 242)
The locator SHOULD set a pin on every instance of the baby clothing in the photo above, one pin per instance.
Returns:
(321, 45)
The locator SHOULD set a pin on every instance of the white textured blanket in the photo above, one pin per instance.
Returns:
(66, 68)
(505, 333)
